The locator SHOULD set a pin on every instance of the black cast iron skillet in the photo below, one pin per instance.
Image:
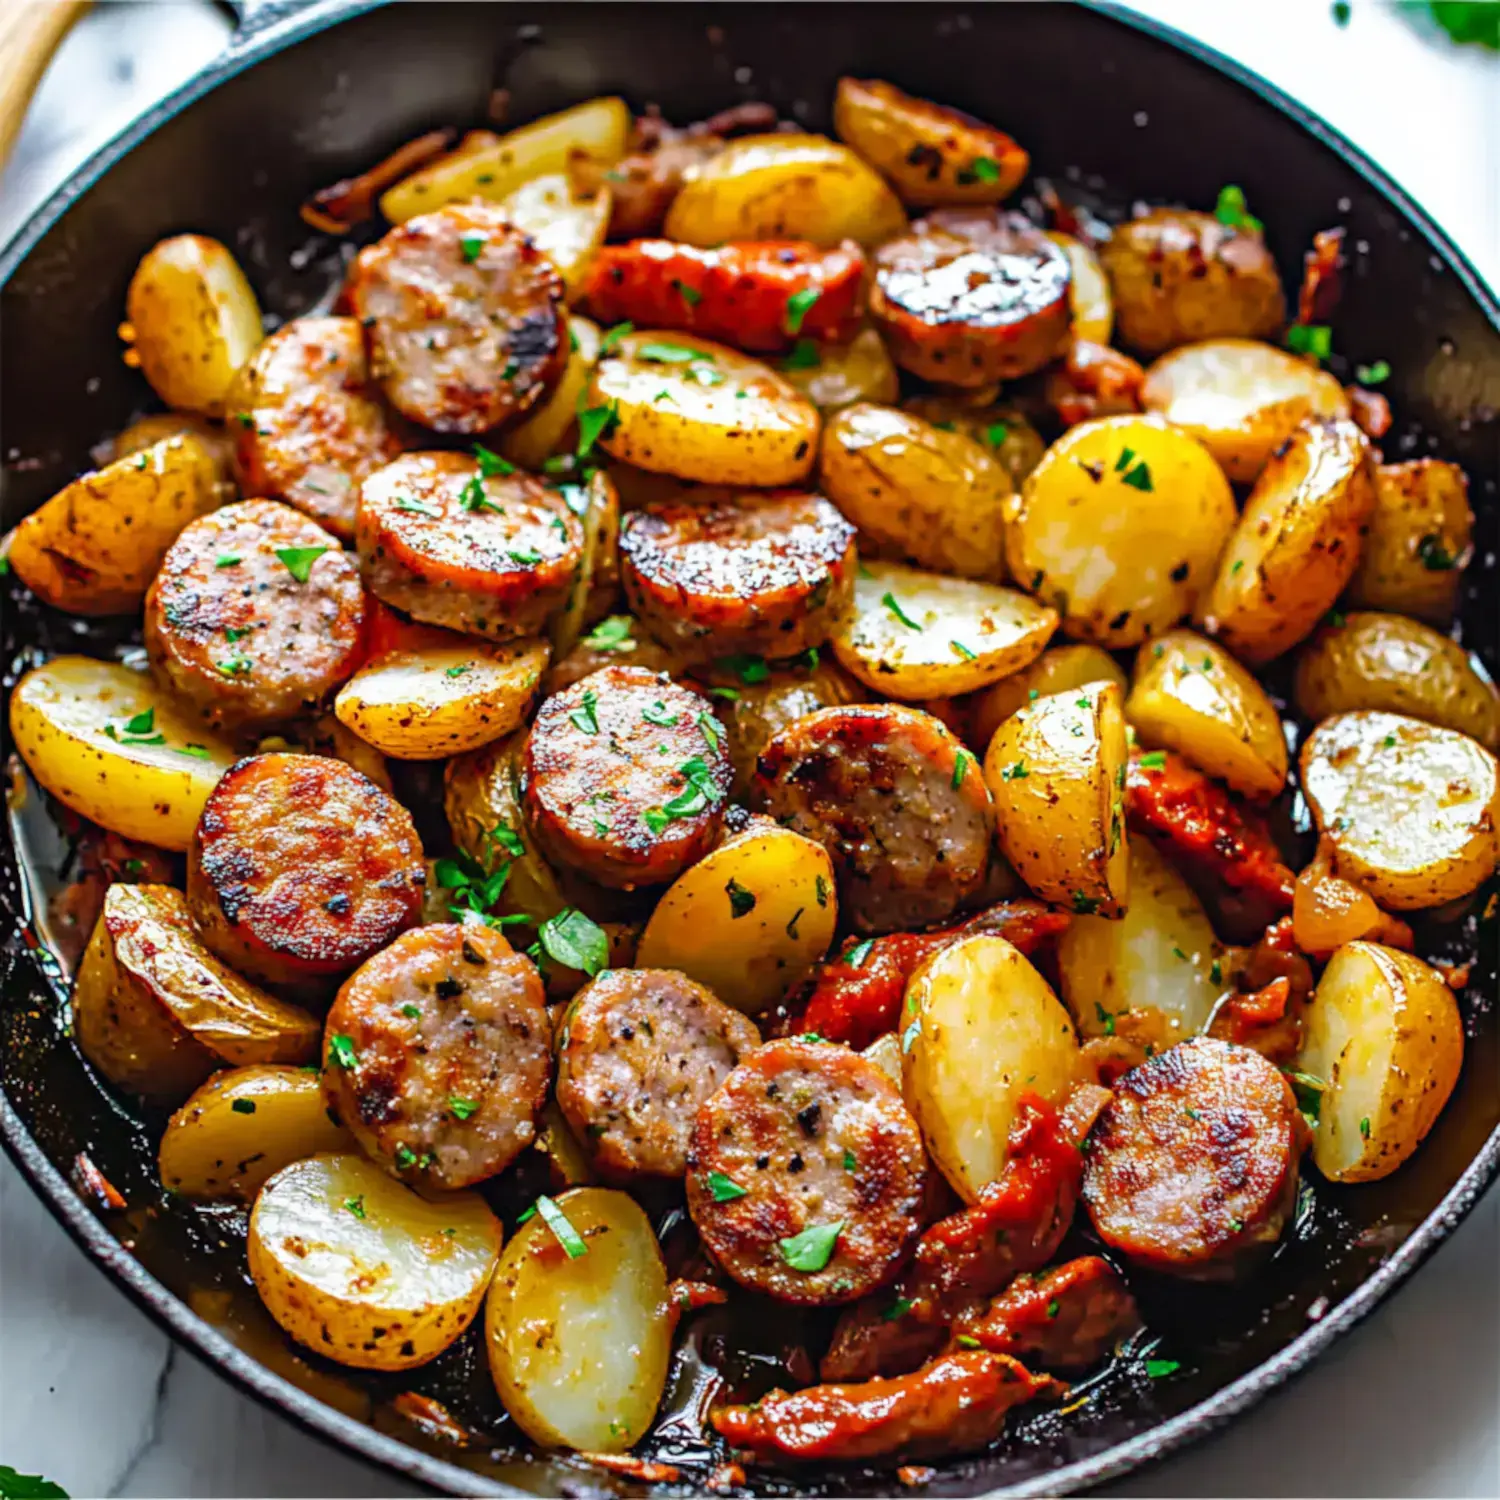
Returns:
(1116, 105)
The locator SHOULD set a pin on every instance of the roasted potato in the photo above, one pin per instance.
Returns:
(568, 230)
(885, 1053)
(357, 1266)
(596, 584)
(836, 375)
(1385, 1037)
(1004, 431)
(1056, 769)
(1296, 543)
(147, 431)
(568, 1163)
(618, 641)
(551, 426)
(1412, 811)
(1056, 670)
(1120, 526)
(1088, 293)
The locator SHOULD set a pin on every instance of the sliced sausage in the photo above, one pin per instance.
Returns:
(875, 785)
(639, 1051)
(489, 556)
(437, 1055)
(256, 615)
(301, 868)
(306, 425)
(806, 1174)
(622, 781)
(971, 296)
(1194, 1164)
(764, 573)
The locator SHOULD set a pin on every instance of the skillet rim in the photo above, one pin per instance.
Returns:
(270, 27)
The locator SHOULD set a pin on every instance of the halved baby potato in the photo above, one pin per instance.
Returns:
(568, 1163)
(1056, 670)
(1005, 431)
(595, 586)
(551, 426)
(567, 229)
(1089, 294)
(837, 375)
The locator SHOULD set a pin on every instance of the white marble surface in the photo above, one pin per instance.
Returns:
(94, 1396)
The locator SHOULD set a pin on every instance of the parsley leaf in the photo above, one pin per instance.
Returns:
(471, 243)
(1376, 374)
(741, 899)
(749, 669)
(341, 1050)
(724, 1189)
(611, 340)
(813, 1248)
(462, 1108)
(1231, 210)
(298, 561)
(557, 1221)
(798, 305)
(575, 941)
(491, 464)
(1315, 339)
(595, 422)
(804, 356)
(612, 634)
(586, 718)
(894, 605)
(961, 763)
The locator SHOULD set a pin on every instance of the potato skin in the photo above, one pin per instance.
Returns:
(1056, 670)
(1005, 431)
(861, 370)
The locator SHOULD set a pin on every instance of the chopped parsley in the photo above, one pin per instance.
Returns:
(1084, 904)
(1231, 210)
(1434, 556)
(234, 666)
(1154, 760)
(898, 1309)
(657, 714)
(813, 1248)
(804, 356)
(243, 1106)
(1315, 339)
(1376, 374)
(1138, 478)
(710, 726)
(594, 423)
(963, 650)
(586, 718)
(491, 464)
(1364, 1127)
(472, 496)
(356, 1206)
(1106, 1018)
(690, 295)
(471, 243)
(724, 1189)
(672, 354)
(341, 1050)
(612, 634)
(798, 305)
(858, 953)
(557, 1221)
(227, 560)
(462, 1108)
(524, 557)
(415, 508)
(849, 1160)
(611, 340)
(459, 670)
(961, 763)
(575, 941)
(894, 605)
(741, 900)
(1015, 771)
(411, 1012)
(1157, 1369)
(298, 561)
(749, 669)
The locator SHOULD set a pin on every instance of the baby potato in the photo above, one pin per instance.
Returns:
(1089, 295)
(1056, 670)
(836, 375)
(192, 321)
(1420, 537)
(1120, 526)
(1056, 769)
(1368, 660)
(147, 431)
(359, 1268)
(1240, 399)
(243, 1126)
(568, 230)
(95, 546)
(568, 1163)
(914, 635)
(551, 426)
(785, 187)
(596, 583)
(748, 920)
(1384, 1033)
(682, 405)
(1295, 545)
(1005, 431)
(885, 1053)
(1412, 811)
(980, 1028)
(1190, 695)
(109, 744)
(578, 1324)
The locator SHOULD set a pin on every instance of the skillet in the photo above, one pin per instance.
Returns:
(1111, 104)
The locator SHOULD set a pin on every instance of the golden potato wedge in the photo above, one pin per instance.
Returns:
(568, 230)
(192, 321)
(147, 431)
(1004, 431)
(94, 547)
(595, 587)
(1385, 1036)
(1056, 670)
(885, 1053)
(1368, 660)
(577, 1324)
(242, 1127)
(357, 1266)
(1120, 526)
(1089, 296)
(551, 426)
(914, 635)
(915, 491)
(980, 1028)
(1412, 811)
(108, 743)
(682, 405)
(1056, 769)
(1190, 695)
(1240, 399)
(836, 375)
(793, 187)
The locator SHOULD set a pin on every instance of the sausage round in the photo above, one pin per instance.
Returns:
(624, 777)
(232, 627)
(306, 426)
(1194, 1163)
(487, 556)
(806, 1174)
(875, 785)
(464, 317)
(301, 868)
(763, 573)
(437, 1055)
(639, 1051)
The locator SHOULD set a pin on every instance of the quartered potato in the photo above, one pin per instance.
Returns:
(1004, 431)
(682, 405)
(1385, 1036)
(1056, 670)
(1412, 811)
(837, 375)
(1296, 544)
(551, 426)
(578, 1324)
(361, 1269)
(568, 230)
(110, 745)
(914, 635)
(1056, 769)
(596, 584)
(94, 547)
(243, 1126)
(192, 321)
(980, 1028)
(1190, 695)
(749, 920)
(1089, 295)
(1120, 526)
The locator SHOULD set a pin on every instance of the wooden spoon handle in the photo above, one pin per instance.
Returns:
(29, 33)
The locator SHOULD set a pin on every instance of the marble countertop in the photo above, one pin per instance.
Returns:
(94, 1396)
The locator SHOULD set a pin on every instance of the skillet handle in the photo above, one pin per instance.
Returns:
(30, 31)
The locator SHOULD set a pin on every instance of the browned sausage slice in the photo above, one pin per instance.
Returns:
(488, 556)
(806, 1174)
(1194, 1164)
(761, 573)
(256, 615)
(624, 777)
(639, 1051)
(876, 786)
(464, 316)
(437, 1055)
(302, 868)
